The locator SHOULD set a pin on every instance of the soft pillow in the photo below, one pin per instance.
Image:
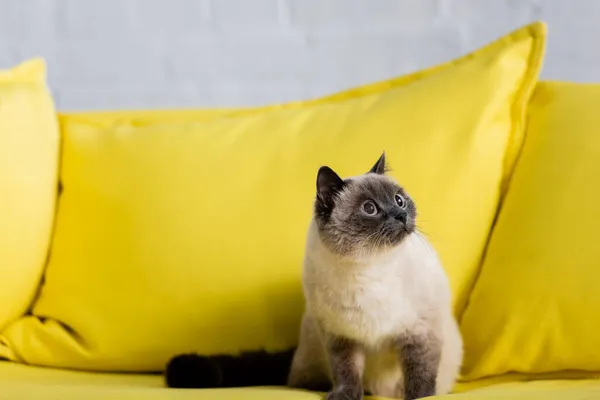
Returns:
(188, 235)
(29, 146)
(536, 305)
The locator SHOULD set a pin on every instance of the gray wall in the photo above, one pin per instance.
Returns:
(113, 54)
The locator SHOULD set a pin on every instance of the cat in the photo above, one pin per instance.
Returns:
(378, 317)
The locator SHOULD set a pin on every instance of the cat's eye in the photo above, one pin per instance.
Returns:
(369, 208)
(400, 200)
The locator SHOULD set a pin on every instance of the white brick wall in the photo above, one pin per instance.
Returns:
(111, 54)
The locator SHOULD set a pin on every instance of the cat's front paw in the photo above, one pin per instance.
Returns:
(344, 395)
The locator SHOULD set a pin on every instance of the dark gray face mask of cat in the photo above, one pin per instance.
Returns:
(363, 214)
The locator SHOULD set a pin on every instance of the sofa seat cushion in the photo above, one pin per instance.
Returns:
(585, 389)
(24, 382)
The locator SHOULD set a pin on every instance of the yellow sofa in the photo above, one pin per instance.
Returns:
(127, 237)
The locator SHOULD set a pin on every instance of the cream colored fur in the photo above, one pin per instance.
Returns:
(373, 299)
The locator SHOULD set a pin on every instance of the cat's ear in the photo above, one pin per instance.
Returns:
(379, 167)
(328, 184)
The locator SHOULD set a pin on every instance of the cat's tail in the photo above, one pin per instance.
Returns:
(256, 368)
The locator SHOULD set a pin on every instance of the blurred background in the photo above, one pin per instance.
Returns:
(129, 54)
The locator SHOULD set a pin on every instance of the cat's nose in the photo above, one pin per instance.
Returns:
(401, 216)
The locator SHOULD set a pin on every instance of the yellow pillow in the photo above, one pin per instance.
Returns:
(29, 146)
(178, 236)
(536, 305)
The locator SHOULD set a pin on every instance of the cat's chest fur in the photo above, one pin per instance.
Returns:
(375, 299)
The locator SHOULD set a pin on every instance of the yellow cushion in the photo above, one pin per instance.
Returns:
(188, 235)
(26, 382)
(536, 305)
(29, 145)
(585, 389)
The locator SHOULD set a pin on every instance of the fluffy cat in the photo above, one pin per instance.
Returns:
(378, 315)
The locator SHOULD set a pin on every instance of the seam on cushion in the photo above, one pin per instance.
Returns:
(520, 107)
(535, 30)
(518, 112)
(59, 190)
(569, 83)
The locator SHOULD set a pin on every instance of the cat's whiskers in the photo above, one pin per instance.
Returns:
(419, 230)
(424, 240)
(377, 245)
(363, 250)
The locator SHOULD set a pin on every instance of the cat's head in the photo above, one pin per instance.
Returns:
(362, 214)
